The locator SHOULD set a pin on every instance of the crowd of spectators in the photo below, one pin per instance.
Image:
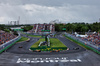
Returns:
(42, 27)
(5, 37)
(93, 38)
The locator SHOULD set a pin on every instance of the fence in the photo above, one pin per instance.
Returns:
(89, 46)
(8, 44)
(80, 40)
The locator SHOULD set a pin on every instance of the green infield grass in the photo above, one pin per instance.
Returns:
(22, 39)
(55, 44)
(37, 43)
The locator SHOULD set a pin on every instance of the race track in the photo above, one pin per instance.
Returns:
(15, 56)
(27, 45)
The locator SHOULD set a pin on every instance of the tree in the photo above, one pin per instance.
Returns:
(27, 28)
(78, 27)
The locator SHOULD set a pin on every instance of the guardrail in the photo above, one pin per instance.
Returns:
(91, 47)
(80, 40)
(8, 44)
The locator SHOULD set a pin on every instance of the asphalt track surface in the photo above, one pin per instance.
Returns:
(81, 57)
(27, 45)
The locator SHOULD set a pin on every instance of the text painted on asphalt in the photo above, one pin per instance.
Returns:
(42, 60)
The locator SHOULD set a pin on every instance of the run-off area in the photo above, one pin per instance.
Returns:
(47, 60)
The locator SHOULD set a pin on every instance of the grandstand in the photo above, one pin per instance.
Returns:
(5, 37)
(40, 27)
(92, 38)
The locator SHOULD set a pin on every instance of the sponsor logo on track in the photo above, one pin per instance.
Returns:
(46, 60)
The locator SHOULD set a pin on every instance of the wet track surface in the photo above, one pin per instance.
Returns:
(15, 56)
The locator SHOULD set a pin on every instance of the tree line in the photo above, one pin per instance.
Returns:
(78, 27)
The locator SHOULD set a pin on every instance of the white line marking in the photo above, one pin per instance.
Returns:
(73, 60)
(51, 60)
(47, 61)
(41, 61)
(56, 60)
(79, 60)
(64, 60)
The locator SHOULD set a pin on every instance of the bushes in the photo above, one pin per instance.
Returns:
(27, 28)
(6, 30)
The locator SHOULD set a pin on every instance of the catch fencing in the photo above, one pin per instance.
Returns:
(8, 44)
(80, 41)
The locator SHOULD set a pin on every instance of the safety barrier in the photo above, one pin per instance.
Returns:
(95, 50)
(29, 33)
(48, 48)
(8, 44)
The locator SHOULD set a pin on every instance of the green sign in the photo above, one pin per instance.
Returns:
(46, 33)
(18, 29)
(64, 29)
(45, 30)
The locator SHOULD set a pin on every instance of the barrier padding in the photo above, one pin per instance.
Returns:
(48, 48)
(9, 46)
(98, 52)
